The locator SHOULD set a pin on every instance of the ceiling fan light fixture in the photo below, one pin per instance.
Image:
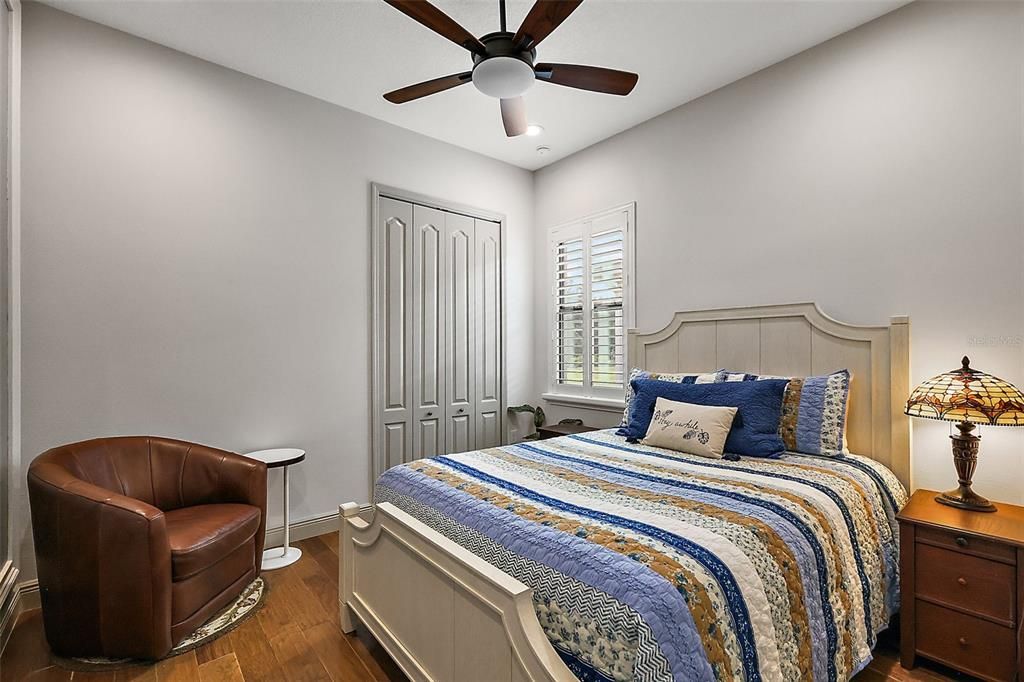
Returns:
(503, 77)
(504, 63)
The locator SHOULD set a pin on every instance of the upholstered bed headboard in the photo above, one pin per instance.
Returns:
(799, 340)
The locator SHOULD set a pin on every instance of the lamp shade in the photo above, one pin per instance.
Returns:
(967, 395)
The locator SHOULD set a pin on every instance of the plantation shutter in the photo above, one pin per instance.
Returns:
(570, 289)
(607, 329)
(590, 266)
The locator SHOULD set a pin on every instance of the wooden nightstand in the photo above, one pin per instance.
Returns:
(962, 586)
(556, 430)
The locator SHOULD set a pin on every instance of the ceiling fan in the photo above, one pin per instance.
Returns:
(503, 62)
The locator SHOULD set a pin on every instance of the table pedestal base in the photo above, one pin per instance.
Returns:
(285, 555)
(279, 557)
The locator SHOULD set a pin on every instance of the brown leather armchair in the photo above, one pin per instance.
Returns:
(139, 540)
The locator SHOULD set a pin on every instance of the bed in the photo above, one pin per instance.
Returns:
(587, 557)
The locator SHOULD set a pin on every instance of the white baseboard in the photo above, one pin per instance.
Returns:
(15, 599)
(302, 530)
(28, 595)
(8, 602)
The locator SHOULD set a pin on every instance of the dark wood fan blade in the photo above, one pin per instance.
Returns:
(592, 78)
(513, 116)
(543, 18)
(411, 92)
(438, 22)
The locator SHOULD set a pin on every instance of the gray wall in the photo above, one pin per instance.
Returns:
(196, 256)
(6, 35)
(878, 173)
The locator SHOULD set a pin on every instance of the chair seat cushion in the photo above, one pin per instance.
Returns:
(202, 535)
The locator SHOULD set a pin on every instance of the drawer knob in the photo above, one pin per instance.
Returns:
(962, 581)
(963, 641)
(961, 541)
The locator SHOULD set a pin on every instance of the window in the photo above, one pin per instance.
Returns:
(591, 306)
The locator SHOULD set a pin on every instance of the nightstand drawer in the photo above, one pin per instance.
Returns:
(976, 585)
(967, 643)
(964, 542)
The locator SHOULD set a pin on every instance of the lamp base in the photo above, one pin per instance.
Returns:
(965, 498)
(965, 459)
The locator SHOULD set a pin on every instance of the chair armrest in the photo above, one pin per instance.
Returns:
(100, 553)
(245, 478)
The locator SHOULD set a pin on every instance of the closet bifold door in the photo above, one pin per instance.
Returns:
(460, 432)
(487, 331)
(393, 329)
(428, 386)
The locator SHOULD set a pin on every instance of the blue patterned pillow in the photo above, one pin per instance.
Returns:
(813, 412)
(704, 378)
(755, 431)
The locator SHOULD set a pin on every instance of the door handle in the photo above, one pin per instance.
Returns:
(461, 410)
(430, 414)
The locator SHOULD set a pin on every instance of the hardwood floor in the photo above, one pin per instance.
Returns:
(296, 637)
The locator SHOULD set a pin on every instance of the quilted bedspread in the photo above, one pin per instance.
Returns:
(650, 564)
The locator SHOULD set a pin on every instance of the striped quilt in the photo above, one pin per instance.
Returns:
(650, 564)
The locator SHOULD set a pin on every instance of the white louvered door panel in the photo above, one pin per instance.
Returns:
(428, 384)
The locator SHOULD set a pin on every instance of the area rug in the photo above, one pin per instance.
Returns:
(233, 615)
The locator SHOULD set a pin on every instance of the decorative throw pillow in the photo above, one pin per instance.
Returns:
(755, 429)
(814, 413)
(679, 378)
(685, 427)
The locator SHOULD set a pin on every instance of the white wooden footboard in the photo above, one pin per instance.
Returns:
(443, 613)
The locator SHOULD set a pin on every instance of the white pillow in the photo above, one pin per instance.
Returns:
(685, 427)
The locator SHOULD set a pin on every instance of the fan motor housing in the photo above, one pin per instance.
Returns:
(504, 72)
(500, 44)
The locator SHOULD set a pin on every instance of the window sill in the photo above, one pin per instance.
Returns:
(603, 404)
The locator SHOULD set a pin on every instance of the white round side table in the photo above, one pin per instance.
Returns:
(279, 557)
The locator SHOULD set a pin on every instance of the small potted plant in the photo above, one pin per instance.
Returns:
(538, 418)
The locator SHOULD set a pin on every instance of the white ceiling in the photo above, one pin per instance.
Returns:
(350, 52)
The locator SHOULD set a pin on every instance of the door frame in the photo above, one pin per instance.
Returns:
(377, 192)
